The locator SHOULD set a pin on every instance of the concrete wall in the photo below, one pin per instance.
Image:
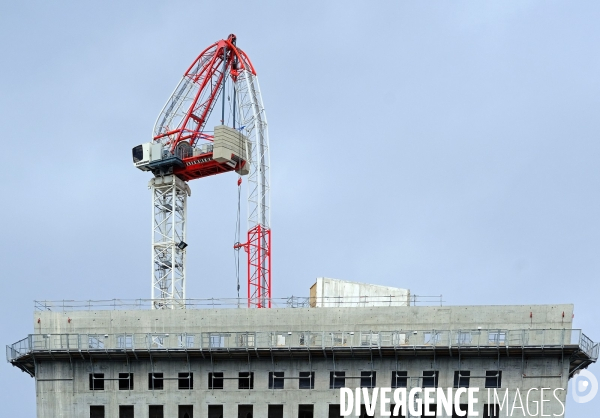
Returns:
(327, 292)
(71, 399)
(303, 319)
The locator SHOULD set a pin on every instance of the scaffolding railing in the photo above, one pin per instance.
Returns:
(219, 303)
(216, 341)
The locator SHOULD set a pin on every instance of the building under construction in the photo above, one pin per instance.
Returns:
(121, 359)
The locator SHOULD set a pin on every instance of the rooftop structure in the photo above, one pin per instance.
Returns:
(327, 292)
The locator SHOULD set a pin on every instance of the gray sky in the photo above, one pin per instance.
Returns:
(447, 147)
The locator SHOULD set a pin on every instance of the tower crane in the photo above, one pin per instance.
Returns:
(185, 146)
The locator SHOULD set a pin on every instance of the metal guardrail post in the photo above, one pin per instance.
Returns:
(543, 338)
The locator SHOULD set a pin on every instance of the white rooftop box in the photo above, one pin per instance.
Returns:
(328, 292)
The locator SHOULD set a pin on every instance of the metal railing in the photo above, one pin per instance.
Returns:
(215, 341)
(219, 303)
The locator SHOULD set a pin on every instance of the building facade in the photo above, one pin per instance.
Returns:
(292, 362)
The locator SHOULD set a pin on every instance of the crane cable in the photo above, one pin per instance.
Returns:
(239, 200)
(237, 240)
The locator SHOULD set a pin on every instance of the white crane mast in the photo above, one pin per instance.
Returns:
(169, 214)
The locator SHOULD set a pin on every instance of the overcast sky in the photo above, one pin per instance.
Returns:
(446, 147)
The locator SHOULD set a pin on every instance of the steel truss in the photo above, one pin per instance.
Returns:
(253, 122)
(182, 120)
(169, 213)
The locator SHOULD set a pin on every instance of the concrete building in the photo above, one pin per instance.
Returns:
(290, 362)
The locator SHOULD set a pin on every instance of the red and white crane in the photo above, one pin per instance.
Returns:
(185, 147)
